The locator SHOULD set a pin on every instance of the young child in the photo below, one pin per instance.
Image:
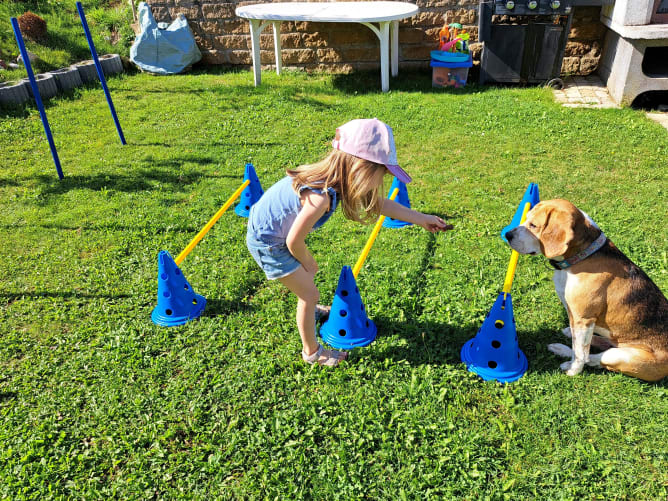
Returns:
(351, 174)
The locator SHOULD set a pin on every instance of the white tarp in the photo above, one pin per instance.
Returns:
(165, 50)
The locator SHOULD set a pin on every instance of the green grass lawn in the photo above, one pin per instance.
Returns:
(96, 401)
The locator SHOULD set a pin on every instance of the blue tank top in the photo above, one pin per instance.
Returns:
(271, 217)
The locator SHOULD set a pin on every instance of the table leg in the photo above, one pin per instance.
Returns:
(277, 46)
(256, 29)
(394, 50)
(384, 36)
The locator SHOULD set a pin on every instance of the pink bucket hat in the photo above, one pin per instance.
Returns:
(372, 140)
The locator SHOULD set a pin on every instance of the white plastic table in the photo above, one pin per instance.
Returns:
(386, 14)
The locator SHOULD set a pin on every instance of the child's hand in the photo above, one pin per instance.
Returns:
(434, 224)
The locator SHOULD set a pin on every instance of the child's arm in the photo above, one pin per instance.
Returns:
(314, 205)
(395, 210)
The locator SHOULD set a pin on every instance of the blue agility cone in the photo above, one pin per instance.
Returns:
(251, 193)
(494, 353)
(531, 196)
(177, 301)
(402, 198)
(348, 326)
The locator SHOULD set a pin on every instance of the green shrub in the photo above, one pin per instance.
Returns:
(32, 26)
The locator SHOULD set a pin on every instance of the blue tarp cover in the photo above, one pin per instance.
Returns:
(166, 50)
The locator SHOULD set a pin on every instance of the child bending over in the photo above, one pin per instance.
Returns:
(352, 175)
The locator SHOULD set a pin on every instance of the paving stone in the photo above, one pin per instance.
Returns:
(661, 118)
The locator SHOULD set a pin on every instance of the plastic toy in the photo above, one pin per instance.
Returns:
(451, 62)
(177, 301)
(452, 37)
(450, 57)
(494, 352)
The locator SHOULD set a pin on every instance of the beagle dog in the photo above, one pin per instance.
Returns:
(611, 303)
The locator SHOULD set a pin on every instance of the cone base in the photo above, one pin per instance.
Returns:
(348, 342)
(489, 374)
(395, 223)
(171, 321)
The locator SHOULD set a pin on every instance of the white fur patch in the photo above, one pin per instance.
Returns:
(560, 349)
(524, 241)
(560, 278)
(615, 356)
(602, 332)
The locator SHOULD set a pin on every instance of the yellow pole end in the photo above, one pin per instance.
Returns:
(514, 256)
(211, 222)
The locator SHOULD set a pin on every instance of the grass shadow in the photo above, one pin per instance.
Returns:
(7, 395)
(436, 343)
(217, 307)
(429, 342)
(143, 180)
(368, 82)
(15, 296)
(243, 290)
(121, 228)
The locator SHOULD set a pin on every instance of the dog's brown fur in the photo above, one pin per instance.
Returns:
(604, 294)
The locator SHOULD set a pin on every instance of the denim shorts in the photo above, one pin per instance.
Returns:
(275, 260)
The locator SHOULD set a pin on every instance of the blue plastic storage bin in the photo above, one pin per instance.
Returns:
(452, 74)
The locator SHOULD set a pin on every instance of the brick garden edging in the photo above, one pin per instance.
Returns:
(58, 81)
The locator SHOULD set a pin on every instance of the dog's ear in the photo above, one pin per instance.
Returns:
(557, 234)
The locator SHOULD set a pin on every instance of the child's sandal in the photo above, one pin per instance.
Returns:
(321, 312)
(330, 358)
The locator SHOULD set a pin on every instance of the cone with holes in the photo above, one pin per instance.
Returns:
(251, 193)
(532, 197)
(348, 326)
(177, 301)
(494, 353)
(402, 198)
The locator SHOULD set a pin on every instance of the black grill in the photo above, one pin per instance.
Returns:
(523, 41)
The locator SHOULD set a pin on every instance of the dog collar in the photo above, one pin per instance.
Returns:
(580, 256)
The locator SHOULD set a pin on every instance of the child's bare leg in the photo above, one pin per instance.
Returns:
(301, 284)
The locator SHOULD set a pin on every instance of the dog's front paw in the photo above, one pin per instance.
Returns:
(572, 367)
(566, 366)
(560, 349)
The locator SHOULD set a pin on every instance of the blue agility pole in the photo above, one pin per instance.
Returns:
(35, 93)
(100, 73)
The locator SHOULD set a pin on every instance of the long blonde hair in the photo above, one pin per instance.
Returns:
(357, 182)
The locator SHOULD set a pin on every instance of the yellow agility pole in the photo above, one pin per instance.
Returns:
(208, 226)
(374, 234)
(514, 256)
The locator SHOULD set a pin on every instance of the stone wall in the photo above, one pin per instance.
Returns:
(224, 38)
